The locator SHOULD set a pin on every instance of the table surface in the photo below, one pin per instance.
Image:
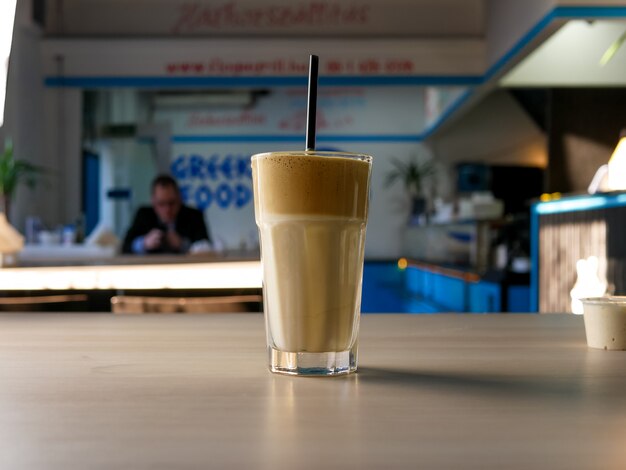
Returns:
(87, 391)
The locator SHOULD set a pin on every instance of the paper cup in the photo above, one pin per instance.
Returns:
(605, 322)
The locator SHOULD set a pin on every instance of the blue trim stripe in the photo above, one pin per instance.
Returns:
(382, 80)
(192, 139)
(168, 82)
(534, 259)
(234, 82)
(581, 203)
(586, 12)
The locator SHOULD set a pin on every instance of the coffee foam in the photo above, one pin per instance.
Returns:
(302, 183)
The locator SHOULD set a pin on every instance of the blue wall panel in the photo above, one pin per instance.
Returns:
(484, 297)
(449, 293)
(383, 288)
(518, 299)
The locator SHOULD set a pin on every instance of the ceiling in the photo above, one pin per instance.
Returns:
(311, 18)
(562, 52)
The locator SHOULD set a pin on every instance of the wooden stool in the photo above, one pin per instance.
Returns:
(145, 304)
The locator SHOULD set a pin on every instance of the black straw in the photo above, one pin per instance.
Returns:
(312, 102)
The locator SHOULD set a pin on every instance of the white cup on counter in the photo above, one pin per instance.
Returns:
(605, 322)
(49, 238)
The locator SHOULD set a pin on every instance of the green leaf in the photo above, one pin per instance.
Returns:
(412, 173)
(613, 48)
(13, 172)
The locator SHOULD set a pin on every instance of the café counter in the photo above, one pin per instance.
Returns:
(90, 283)
(443, 288)
(95, 391)
(137, 272)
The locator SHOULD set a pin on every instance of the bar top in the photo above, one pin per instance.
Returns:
(188, 273)
(81, 255)
(95, 391)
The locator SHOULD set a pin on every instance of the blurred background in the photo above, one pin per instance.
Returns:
(497, 104)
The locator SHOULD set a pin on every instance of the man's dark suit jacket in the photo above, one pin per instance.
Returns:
(189, 224)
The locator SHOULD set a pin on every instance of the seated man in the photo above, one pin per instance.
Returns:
(166, 227)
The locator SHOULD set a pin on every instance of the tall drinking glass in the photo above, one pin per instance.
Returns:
(311, 209)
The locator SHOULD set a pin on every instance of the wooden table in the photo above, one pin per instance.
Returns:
(97, 391)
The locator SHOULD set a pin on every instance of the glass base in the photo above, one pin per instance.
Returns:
(312, 364)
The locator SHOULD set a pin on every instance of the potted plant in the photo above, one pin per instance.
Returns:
(412, 173)
(12, 173)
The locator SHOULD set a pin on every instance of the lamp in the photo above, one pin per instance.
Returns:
(617, 167)
(11, 242)
(7, 20)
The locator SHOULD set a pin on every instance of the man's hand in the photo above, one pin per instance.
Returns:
(174, 240)
(153, 239)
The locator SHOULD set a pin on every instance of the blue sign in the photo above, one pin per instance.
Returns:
(214, 167)
(222, 180)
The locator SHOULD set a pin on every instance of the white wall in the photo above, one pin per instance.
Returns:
(496, 131)
(384, 115)
(45, 126)
(24, 122)
(390, 109)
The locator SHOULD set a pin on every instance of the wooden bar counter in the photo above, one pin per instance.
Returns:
(101, 391)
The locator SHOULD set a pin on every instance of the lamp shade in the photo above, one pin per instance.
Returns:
(11, 241)
(617, 167)
(7, 18)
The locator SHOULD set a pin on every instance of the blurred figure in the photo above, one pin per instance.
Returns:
(168, 226)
